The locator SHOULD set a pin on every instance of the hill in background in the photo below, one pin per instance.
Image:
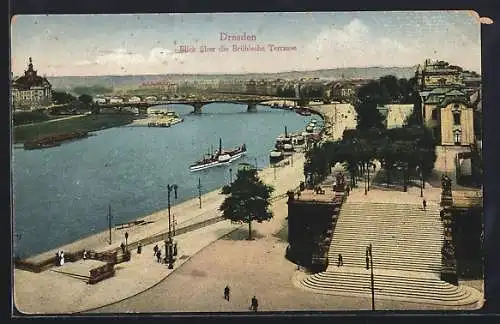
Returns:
(67, 83)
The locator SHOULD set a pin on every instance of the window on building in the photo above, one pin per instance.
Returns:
(458, 137)
(456, 118)
(456, 114)
(434, 114)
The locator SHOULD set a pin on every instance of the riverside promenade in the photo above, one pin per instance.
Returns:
(58, 291)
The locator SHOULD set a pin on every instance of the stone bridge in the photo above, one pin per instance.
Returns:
(142, 106)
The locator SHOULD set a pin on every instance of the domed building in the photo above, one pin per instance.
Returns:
(31, 91)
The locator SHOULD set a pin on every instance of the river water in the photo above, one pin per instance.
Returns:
(62, 193)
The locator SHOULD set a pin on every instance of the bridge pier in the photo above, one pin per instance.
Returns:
(252, 107)
(197, 107)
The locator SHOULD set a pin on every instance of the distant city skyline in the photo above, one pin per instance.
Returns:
(88, 45)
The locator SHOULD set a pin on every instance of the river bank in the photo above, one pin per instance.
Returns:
(88, 123)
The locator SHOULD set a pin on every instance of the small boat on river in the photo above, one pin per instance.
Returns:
(221, 157)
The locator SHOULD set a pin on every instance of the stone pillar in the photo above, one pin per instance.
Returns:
(197, 107)
(448, 257)
(252, 107)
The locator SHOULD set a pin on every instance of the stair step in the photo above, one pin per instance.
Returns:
(395, 293)
(434, 268)
(392, 267)
(380, 244)
(382, 247)
(390, 236)
(395, 258)
(381, 277)
(387, 285)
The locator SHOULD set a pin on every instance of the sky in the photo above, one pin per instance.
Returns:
(82, 45)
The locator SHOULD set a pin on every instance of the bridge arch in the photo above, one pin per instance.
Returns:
(196, 104)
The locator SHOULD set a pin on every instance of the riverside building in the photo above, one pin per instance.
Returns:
(31, 91)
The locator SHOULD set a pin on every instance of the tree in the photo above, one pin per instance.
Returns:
(92, 90)
(85, 99)
(392, 84)
(368, 116)
(61, 98)
(248, 200)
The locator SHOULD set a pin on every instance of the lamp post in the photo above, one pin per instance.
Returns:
(421, 181)
(366, 183)
(199, 190)
(369, 264)
(174, 223)
(169, 242)
(109, 222)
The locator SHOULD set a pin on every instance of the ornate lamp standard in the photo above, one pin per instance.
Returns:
(169, 244)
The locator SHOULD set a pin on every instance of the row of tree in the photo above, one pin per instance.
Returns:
(388, 89)
(83, 101)
(409, 149)
(62, 98)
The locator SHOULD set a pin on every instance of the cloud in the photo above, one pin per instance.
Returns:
(355, 45)
(351, 45)
(119, 56)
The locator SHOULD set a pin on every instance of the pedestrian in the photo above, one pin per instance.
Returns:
(158, 256)
(155, 250)
(84, 255)
(255, 304)
(424, 204)
(348, 189)
(340, 262)
(123, 247)
(58, 258)
(61, 258)
(226, 293)
(139, 248)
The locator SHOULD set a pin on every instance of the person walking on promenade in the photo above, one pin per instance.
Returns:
(84, 255)
(340, 262)
(424, 204)
(155, 250)
(123, 247)
(61, 258)
(139, 248)
(58, 258)
(255, 304)
(158, 256)
(226, 293)
(348, 189)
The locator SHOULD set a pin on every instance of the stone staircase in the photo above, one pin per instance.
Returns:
(406, 248)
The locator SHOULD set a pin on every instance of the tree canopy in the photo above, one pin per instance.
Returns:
(406, 148)
(61, 98)
(248, 199)
(91, 90)
(86, 99)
